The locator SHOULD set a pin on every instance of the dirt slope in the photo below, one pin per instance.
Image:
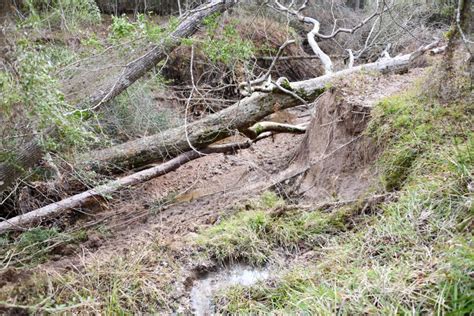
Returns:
(167, 211)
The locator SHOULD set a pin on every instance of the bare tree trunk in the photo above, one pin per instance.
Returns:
(84, 199)
(97, 193)
(238, 117)
(22, 161)
(199, 134)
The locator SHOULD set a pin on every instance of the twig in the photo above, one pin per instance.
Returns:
(267, 76)
(186, 132)
(294, 95)
(401, 26)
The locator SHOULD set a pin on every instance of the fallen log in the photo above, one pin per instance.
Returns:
(83, 199)
(263, 127)
(31, 153)
(236, 118)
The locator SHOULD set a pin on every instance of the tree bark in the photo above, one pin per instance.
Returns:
(30, 154)
(82, 199)
(238, 117)
(259, 131)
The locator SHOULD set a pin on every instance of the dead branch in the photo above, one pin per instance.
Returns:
(257, 129)
(238, 117)
(325, 59)
(363, 203)
(246, 88)
(259, 132)
(79, 200)
(31, 153)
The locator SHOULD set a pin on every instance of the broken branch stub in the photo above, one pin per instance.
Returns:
(236, 118)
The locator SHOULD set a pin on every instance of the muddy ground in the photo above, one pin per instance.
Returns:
(171, 209)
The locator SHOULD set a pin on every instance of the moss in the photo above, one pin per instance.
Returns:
(286, 84)
(253, 235)
(258, 129)
(413, 255)
(313, 95)
(302, 94)
(450, 33)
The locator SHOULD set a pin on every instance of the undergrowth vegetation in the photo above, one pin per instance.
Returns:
(410, 256)
(224, 44)
(48, 60)
(411, 253)
(37, 245)
(140, 281)
(63, 14)
(254, 235)
(31, 99)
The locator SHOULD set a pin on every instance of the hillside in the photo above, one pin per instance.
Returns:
(236, 158)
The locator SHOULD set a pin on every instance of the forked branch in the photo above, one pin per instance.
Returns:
(325, 59)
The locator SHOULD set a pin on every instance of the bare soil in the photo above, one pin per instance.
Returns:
(173, 207)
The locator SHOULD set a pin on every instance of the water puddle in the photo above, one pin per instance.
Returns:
(206, 287)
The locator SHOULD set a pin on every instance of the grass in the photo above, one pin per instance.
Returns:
(142, 280)
(413, 256)
(36, 245)
(254, 235)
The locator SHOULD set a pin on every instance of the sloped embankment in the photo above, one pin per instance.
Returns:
(393, 244)
(410, 253)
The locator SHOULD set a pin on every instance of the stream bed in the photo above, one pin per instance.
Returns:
(206, 287)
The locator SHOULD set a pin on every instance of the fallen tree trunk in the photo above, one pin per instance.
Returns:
(85, 198)
(137, 68)
(81, 199)
(13, 168)
(258, 132)
(238, 117)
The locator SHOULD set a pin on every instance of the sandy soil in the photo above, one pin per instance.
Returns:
(176, 205)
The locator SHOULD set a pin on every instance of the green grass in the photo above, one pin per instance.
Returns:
(142, 280)
(253, 235)
(413, 256)
(36, 245)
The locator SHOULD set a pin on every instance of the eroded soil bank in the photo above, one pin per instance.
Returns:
(227, 234)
